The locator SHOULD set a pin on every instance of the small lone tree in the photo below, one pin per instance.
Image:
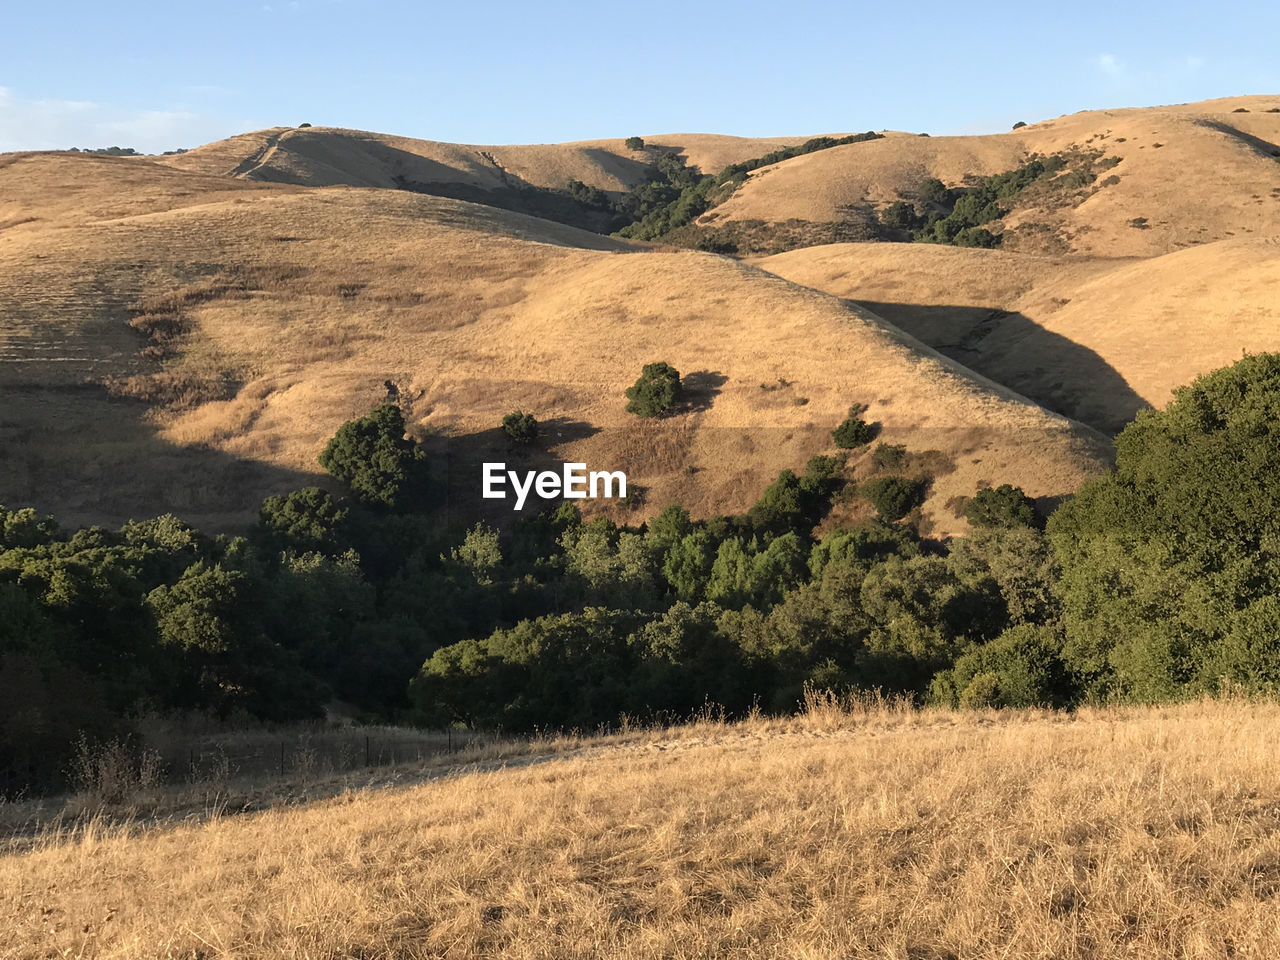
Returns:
(854, 432)
(520, 426)
(634, 143)
(374, 458)
(1003, 506)
(1019, 125)
(657, 390)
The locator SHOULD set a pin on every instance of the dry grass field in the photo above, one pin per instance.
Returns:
(857, 831)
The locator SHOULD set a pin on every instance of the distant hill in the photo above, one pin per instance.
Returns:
(282, 311)
(1186, 175)
(333, 156)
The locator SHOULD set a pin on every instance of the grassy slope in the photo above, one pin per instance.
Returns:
(1088, 337)
(332, 156)
(471, 312)
(1142, 832)
(1226, 156)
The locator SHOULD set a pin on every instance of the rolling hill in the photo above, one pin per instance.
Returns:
(333, 156)
(184, 333)
(1094, 339)
(1142, 206)
(275, 313)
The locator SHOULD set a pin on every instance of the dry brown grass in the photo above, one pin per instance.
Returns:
(1143, 832)
(1085, 336)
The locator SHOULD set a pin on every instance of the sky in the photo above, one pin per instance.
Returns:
(158, 76)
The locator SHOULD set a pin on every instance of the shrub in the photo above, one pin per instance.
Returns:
(307, 517)
(889, 456)
(983, 691)
(303, 126)
(1020, 668)
(900, 214)
(520, 426)
(1002, 506)
(1019, 125)
(374, 458)
(894, 497)
(934, 190)
(976, 237)
(657, 390)
(854, 432)
(634, 143)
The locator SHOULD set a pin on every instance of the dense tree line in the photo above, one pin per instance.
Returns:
(958, 216)
(1158, 580)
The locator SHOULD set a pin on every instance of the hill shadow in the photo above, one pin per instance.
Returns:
(87, 458)
(1262, 147)
(1018, 353)
(459, 460)
(701, 388)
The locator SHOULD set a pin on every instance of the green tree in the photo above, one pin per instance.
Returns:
(634, 143)
(853, 433)
(1002, 506)
(1171, 563)
(894, 497)
(307, 518)
(901, 215)
(520, 426)
(934, 190)
(375, 459)
(1020, 668)
(656, 391)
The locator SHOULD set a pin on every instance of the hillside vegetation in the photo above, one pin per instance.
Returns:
(1138, 832)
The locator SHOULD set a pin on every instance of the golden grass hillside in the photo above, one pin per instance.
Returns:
(866, 832)
(1187, 175)
(333, 156)
(1094, 339)
(276, 313)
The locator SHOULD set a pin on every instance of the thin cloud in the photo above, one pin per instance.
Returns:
(1109, 65)
(55, 124)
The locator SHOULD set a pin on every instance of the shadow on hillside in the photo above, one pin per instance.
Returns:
(1262, 147)
(87, 458)
(463, 458)
(1018, 353)
(701, 388)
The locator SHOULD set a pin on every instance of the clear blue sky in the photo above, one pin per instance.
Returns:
(161, 75)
